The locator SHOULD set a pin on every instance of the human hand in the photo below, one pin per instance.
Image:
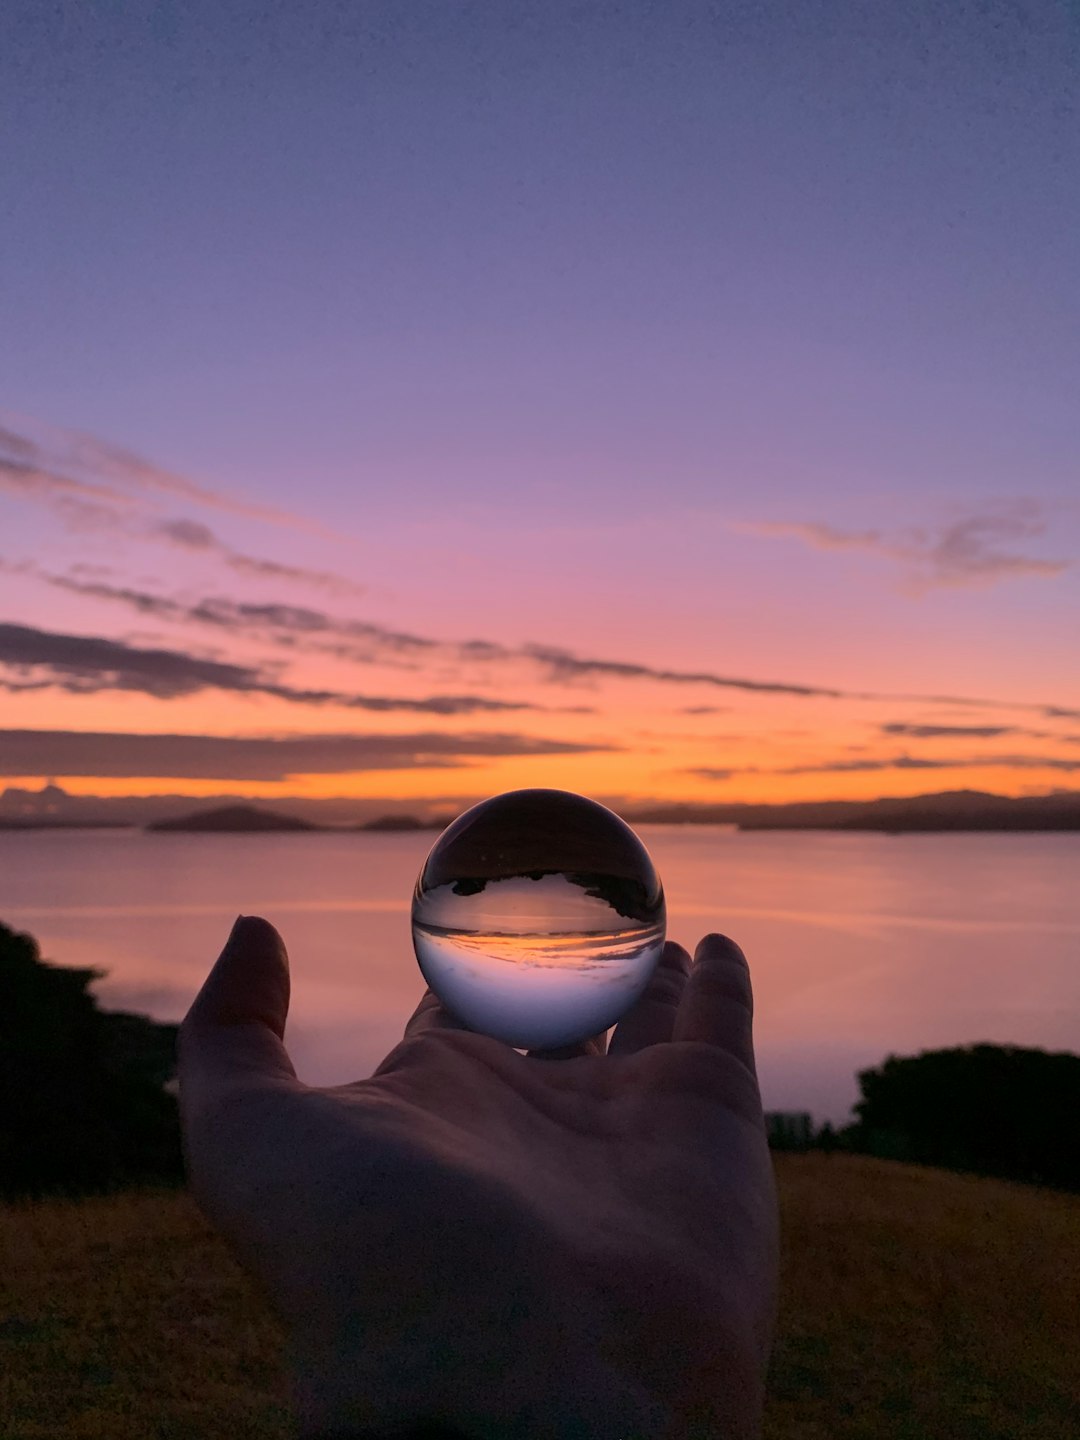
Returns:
(506, 1245)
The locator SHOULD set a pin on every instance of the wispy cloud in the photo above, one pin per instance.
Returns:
(91, 486)
(117, 755)
(357, 640)
(865, 765)
(935, 732)
(28, 480)
(193, 535)
(976, 732)
(364, 642)
(931, 762)
(16, 445)
(88, 664)
(563, 665)
(54, 449)
(976, 549)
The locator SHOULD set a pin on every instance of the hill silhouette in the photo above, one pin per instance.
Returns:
(234, 819)
(390, 824)
(941, 810)
(83, 1103)
(946, 810)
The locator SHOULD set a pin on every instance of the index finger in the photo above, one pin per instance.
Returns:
(717, 1006)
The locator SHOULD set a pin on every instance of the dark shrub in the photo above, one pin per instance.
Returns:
(996, 1109)
(83, 1104)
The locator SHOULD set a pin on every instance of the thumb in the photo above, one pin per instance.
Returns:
(233, 1031)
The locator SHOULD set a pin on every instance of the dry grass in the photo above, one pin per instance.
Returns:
(917, 1305)
(920, 1305)
(124, 1319)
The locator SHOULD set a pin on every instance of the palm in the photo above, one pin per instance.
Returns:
(558, 1247)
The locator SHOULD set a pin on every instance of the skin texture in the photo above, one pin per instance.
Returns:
(572, 1245)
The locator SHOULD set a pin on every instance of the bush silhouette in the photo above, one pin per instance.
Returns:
(83, 1104)
(996, 1109)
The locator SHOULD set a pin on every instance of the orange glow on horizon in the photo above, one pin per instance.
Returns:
(434, 787)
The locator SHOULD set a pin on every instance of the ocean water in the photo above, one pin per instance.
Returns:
(859, 945)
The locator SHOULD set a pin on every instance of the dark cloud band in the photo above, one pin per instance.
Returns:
(87, 664)
(114, 755)
(870, 765)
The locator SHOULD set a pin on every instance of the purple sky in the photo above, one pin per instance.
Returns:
(737, 338)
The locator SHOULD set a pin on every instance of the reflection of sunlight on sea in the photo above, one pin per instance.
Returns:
(575, 950)
(538, 991)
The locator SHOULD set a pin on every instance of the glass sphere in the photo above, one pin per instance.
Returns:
(538, 918)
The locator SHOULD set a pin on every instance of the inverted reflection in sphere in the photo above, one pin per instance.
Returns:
(538, 918)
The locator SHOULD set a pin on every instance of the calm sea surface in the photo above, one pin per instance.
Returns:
(860, 945)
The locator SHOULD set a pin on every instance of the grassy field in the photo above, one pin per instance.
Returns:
(917, 1305)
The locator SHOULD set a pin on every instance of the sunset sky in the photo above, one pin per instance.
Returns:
(414, 401)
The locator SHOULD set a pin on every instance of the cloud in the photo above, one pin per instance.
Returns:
(919, 762)
(194, 535)
(975, 732)
(710, 772)
(92, 663)
(977, 549)
(563, 665)
(17, 445)
(934, 732)
(822, 537)
(23, 477)
(143, 601)
(276, 570)
(100, 503)
(357, 640)
(559, 665)
(87, 664)
(364, 642)
(112, 466)
(188, 534)
(125, 756)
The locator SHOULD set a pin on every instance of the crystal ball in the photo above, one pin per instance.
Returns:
(538, 918)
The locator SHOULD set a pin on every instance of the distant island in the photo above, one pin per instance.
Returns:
(248, 819)
(233, 820)
(390, 823)
(950, 810)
